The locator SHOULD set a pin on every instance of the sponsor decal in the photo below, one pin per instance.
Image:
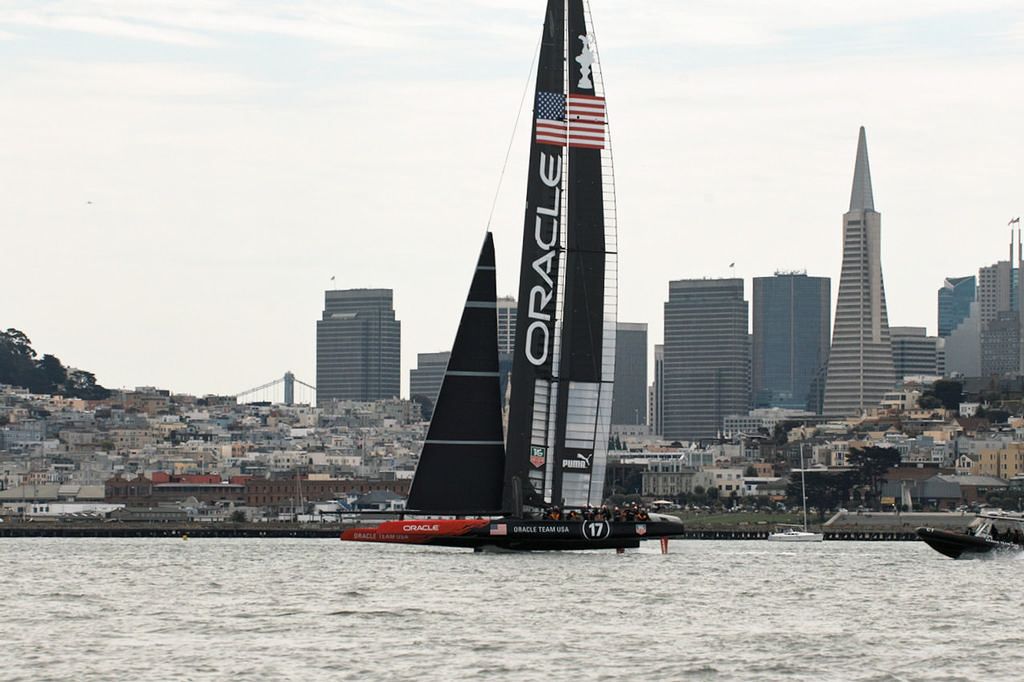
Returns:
(421, 527)
(371, 536)
(586, 61)
(538, 455)
(528, 529)
(641, 529)
(580, 461)
(542, 294)
(414, 531)
(596, 530)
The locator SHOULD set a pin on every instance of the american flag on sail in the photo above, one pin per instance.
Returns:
(578, 121)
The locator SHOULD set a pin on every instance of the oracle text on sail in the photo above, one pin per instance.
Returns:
(542, 294)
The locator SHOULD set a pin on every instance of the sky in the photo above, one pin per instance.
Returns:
(180, 181)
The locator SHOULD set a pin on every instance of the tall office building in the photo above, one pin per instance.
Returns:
(707, 357)
(791, 316)
(860, 368)
(425, 380)
(954, 303)
(655, 397)
(1000, 344)
(999, 317)
(629, 397)
(963, 346)
(915, 353)
(358, 346)
(996, 285)
(506, 324)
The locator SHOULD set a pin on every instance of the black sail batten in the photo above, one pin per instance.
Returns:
(463, 458)
(560, 404)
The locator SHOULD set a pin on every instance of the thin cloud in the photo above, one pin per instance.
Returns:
(378, 24)
(106, 26)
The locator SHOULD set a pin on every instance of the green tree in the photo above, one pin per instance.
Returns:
(948, 391)
(52, 370)
(825, 489)
(632, 483)
(17, 359)
(426, 405)
(17, 343)
(872, 463)
(997, 416)
(1007, 498)
(20, 367)
(82, 384)
(779, 436)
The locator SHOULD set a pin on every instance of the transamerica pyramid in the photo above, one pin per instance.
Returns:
(860, 367)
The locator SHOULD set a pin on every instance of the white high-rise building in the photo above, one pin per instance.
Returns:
(860, 366)
(506, 324)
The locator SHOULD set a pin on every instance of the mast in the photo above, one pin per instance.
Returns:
(563, 368)
(803, 485)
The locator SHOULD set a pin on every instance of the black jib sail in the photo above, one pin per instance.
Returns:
(463, 458)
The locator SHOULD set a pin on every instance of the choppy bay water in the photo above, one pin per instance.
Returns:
(284, 609)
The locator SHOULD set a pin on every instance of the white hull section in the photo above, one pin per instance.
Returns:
(796, 536)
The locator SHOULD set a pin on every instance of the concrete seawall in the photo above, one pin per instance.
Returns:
(159, 530)
(893, 535)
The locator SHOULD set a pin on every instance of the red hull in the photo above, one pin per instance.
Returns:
(520, 534)
(414, 532)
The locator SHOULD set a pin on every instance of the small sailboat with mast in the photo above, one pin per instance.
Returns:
(794, 533)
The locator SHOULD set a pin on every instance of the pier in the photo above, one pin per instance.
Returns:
(888, 535)
(169, 530)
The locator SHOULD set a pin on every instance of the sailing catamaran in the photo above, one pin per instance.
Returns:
(541, 487)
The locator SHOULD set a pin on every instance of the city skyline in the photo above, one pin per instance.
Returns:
(193, 177)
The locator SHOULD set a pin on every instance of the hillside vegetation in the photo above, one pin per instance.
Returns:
(20, 366)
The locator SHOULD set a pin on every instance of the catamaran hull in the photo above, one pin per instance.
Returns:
(962, 545)
(519, 534)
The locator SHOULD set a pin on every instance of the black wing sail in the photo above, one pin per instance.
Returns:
(463, 458)
(563, 368)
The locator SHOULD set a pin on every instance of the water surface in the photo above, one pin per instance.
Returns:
(301, 609)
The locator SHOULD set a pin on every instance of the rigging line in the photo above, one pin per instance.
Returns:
(515, 127)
